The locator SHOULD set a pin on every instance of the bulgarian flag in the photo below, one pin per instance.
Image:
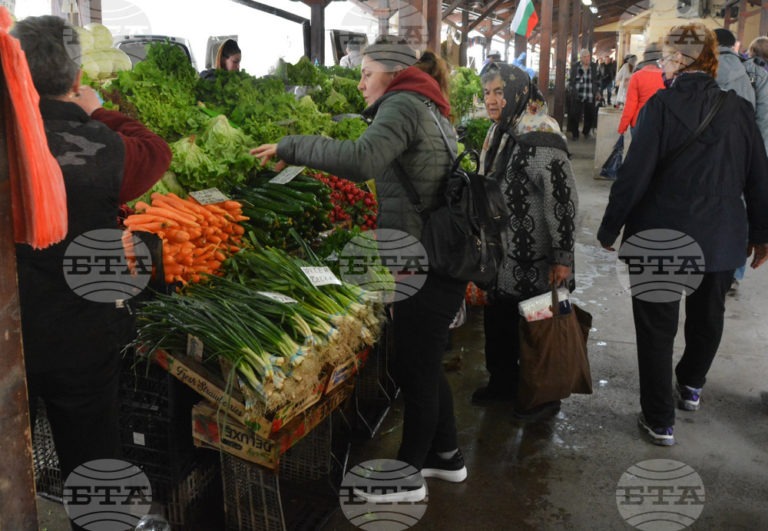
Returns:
(525, 18)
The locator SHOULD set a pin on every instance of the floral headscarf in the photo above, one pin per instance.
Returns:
(525, 111)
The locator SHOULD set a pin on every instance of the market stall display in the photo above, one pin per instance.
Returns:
(252, 316)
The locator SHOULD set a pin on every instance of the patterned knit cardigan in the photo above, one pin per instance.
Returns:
(541, 194)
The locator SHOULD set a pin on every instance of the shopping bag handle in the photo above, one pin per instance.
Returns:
(555, 301)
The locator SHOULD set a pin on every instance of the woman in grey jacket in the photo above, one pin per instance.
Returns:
(403, 103)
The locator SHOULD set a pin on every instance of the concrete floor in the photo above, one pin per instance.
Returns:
(563, 473)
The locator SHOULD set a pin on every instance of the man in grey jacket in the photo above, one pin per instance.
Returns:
(731, 74)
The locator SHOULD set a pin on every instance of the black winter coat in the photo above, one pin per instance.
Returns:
(700, 193)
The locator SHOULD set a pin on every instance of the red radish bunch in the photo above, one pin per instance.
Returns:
(351, 204)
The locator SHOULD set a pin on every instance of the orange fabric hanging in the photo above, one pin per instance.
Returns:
(37, 185)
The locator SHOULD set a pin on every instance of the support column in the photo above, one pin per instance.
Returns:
(743, 6)
(464, 37)
(558, 111)
(521, 45)
(763, 18)
(317, 29)
(18, 509)
(545, 42)
(575, 26)
(586, 29)
(434, 25)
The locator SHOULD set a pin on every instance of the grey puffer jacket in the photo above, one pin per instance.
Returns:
(731, 75)
(758, 78)
(403, 129)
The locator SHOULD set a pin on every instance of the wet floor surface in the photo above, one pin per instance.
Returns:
(563, 473)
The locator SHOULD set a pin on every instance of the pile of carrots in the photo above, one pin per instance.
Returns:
(196, 238)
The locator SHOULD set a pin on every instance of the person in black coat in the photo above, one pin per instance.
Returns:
(584, 91)
(669, 206)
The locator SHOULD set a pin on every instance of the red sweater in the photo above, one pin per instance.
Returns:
(147, 156)
(642, 85)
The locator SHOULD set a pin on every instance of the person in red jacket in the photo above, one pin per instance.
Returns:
(73, 343)
(643, 84)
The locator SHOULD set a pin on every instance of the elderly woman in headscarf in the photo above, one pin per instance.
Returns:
(674, 187)
(527, 153)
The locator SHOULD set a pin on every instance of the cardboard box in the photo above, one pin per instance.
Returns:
(346, 369)
(213, 388)
(215, 430)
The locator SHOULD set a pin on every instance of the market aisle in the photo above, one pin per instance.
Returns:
(563, 473)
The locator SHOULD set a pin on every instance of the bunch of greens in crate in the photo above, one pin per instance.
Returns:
(160, 92)
(465, 86)
(302, 204)
(475, 130)
(216, 158)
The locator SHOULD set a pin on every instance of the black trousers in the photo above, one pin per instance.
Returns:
(420, 327)
(576, 110)
(83, 410)
(656, 327)
(501, 322)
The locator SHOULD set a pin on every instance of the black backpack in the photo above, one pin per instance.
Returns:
(465, 238)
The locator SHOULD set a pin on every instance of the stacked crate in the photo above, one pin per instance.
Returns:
(157, 436)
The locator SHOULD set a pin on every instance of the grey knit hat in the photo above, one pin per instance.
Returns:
(392, 52)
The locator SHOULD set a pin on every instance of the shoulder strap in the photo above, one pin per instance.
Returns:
(405, 180)
(670, 157)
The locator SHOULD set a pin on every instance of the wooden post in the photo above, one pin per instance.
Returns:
(545, 42)
(434, 25)
(575, 25)
(317, 29)
(586, 31)
(743, 6)
(521, 45)
(464, 38)
(764, 17)
(18, 509)
(561, 53)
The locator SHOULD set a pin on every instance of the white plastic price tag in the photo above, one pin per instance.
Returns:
(320, 276)
(287, 174)
(279, 297)
(209, 196)
(194, 347)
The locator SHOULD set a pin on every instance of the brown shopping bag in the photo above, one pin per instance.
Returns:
(553, 355)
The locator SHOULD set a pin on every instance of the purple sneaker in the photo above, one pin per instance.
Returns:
(658, 436)
(688, 398)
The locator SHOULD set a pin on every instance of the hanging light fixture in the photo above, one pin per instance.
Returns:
(593, 9)
(586, 2)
